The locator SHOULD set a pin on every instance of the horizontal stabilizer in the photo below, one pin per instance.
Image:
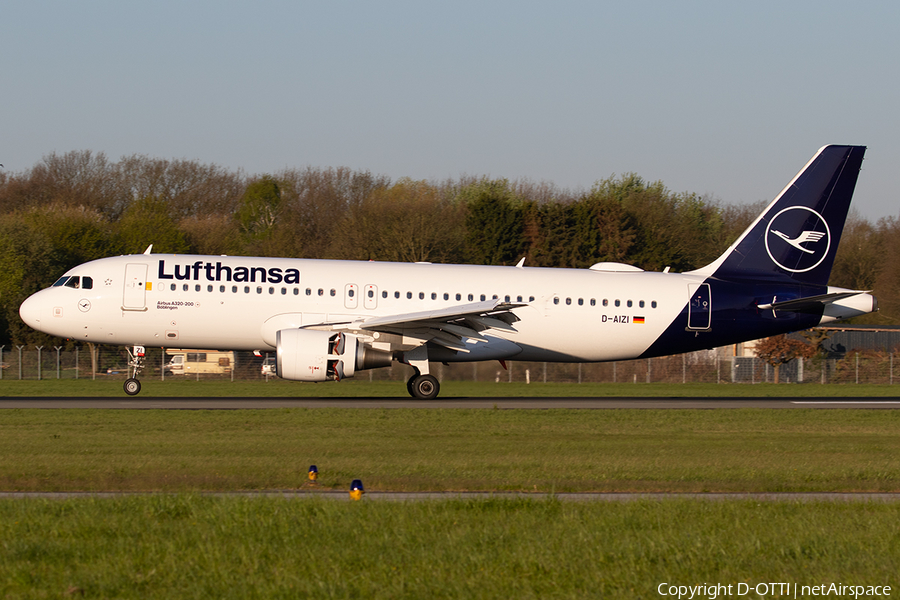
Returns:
(810, 303)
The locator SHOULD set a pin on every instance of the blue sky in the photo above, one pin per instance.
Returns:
(721, 98)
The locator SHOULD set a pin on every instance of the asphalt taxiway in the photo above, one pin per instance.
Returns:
(234, 403)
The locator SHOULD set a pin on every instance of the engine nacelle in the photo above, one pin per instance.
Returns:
(312, 355)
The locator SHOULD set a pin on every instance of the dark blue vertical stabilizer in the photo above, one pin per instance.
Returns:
(796, 237)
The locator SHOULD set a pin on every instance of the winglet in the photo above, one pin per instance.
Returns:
(149, 248)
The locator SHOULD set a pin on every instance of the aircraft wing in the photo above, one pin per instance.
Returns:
(810, 303)
(445, 326)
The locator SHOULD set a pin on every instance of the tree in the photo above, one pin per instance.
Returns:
(26, 265)
(779, 349)
(147, 221)
(495, 223)
(407, 222)
(259, 207)
(211, 234)
(859, 257)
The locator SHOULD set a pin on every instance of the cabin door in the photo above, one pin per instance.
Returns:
(134, 297)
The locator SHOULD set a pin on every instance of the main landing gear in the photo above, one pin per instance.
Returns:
(424, 387)
(136, 362)
(421, 385)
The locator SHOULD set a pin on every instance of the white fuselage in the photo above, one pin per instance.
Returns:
(239, 303)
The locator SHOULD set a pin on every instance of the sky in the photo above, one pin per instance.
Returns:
(724, 99)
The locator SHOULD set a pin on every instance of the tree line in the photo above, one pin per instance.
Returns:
(74, 207)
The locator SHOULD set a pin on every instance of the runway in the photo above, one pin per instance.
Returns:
(233, 403)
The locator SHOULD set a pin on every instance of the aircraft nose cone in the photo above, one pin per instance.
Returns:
(30, 311)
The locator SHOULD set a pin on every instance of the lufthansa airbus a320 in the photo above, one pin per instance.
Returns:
(327, 320)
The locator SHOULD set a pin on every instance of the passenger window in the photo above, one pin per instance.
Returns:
(531, 298)
(653, 304)
(234, 289)
(471, 297)
(309, 291)
(221, 288)
(384, 294)
(296, 291)
(433, 296)
(459, 296)
(483, 298)
(421, 295)
(555, 300)
(333, 292)
(581, 302)
(618, 302)
(605, 302)
(446, 296)
(371, 293)
(173, 287)
(272, 291)
(396, 294)
(209, 288)
(184, 287)
(259, 289)
(283, 291)
(641, 304)
(628, 304)
(321, 292)
(351, 293)
(568, 301)
(197, 288)
(593, 302)
(409, 295)
(246, 289)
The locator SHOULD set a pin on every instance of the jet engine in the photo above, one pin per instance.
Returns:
(312, 355)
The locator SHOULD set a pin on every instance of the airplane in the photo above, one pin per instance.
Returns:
(328, 319)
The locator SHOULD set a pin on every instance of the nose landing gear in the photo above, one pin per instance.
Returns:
(132, 385)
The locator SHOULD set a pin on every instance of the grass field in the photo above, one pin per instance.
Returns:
(201, 547)
(173, 387)
(451, 449)
(176, 542)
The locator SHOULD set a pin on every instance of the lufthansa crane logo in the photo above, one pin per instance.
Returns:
(798, 239)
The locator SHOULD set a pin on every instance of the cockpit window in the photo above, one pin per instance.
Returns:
(74, 281)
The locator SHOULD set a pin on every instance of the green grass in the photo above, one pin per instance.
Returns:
(184, 544)
(173, 387)
(451, 449)
(228, 547)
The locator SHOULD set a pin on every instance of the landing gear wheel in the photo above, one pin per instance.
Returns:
(132, 386)
(424, 387)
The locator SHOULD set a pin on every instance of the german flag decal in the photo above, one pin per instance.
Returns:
(639, 320)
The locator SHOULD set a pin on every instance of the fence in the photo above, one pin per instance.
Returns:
(21, 362)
